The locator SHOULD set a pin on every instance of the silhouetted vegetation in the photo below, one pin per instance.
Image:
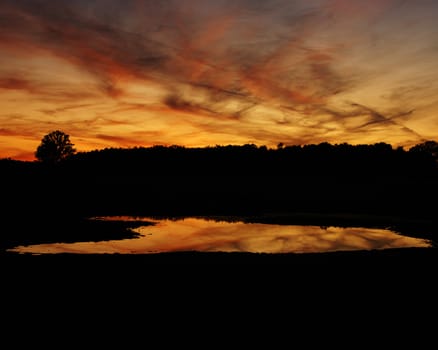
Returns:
(55, 147)
(343, 160)
(248, 180)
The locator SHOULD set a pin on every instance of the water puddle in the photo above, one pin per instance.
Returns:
(207, 235)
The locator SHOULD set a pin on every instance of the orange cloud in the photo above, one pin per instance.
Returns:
(16, 84)
(357, 8)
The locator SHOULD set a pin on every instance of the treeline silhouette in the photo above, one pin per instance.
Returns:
(324, 159)
(345, 160)
(250, 180)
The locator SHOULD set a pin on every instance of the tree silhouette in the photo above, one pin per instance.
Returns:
(430, 147)
(54, 147)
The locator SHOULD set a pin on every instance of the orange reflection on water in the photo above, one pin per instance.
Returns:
(195, 234)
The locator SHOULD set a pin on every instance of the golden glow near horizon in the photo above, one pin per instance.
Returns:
(202, 72)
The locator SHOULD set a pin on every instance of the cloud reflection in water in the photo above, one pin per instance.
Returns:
(196, 234)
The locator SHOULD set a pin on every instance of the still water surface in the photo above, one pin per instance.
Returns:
(206, 235)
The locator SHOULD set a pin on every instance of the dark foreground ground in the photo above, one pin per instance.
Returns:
(397, 257)
(353, 279)
(401, 261)
(391, 277)
(377, 268)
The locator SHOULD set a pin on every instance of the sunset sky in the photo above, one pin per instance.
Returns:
(124, 73)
